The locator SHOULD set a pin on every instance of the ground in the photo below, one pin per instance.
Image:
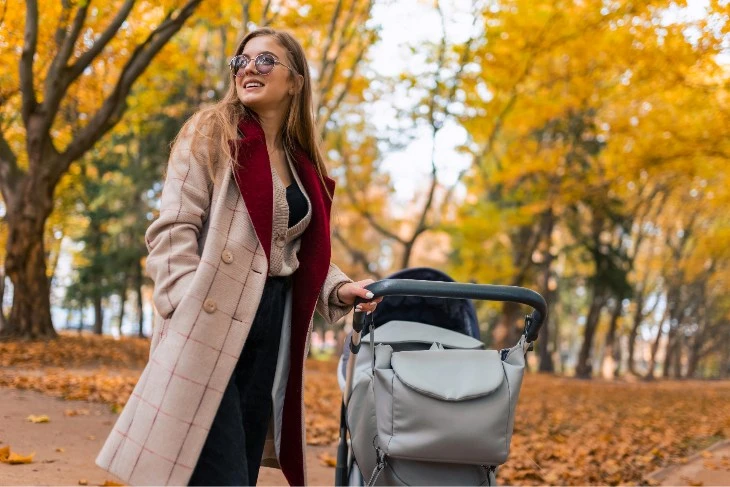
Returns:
(567, 431)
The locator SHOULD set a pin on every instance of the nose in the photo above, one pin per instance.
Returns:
(250, 67)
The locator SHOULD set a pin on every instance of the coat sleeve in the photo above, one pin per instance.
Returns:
(328, 304)
(172, 239)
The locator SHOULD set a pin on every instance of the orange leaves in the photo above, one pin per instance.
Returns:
(567, 432)
(97, 387)
(570, 432)
(72, 350)
(322, 401)
(12, 458)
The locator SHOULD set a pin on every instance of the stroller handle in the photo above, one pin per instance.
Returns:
(458, 290)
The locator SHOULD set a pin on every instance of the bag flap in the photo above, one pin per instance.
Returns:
(450, 375)
(414, 332)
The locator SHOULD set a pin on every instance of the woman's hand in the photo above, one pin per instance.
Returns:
(348, 292)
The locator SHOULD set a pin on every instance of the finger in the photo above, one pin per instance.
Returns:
(364, 293)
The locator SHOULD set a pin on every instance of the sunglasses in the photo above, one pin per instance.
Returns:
(263, 63)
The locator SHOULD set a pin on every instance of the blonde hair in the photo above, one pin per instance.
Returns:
(217, 124)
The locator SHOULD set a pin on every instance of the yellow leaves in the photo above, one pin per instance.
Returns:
(12, 458)
(38, 419)
(327, 460)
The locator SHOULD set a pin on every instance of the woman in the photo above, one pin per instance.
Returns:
(240, 256)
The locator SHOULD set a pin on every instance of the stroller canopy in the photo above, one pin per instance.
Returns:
(453, 314)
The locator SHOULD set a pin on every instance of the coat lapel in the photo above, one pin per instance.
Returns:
(253, 176)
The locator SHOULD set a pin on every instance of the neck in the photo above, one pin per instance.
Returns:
(271, 122)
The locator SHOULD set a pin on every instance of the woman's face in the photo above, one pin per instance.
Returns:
(265, 92)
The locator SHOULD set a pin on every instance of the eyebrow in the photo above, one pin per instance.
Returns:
(262, 52)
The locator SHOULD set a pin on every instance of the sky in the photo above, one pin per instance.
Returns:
(409, 22)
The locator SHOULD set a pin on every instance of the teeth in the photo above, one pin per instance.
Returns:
(248, 85)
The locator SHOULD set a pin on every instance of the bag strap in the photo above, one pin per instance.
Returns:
(371, 327)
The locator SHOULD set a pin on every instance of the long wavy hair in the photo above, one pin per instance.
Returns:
(217, 124)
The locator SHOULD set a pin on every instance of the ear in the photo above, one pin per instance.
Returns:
(296, 84)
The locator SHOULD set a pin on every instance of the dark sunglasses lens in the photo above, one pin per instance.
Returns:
(237, 63)
(265, 63)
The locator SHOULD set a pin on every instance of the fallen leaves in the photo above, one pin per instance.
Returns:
(105, 387)
(12, 458)
(76, 412)
(73, 350)
(327, 460)
(567, 432)
(38, 419)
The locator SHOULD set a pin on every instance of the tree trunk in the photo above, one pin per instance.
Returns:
(677, 362)
(546, 352)
(584, 368)
(81, 319)
(98, 314)
(638, 316)
(123, 297)
(609, 366)
(671, 350)
(25, 264)
(140, 302)
(505, 332)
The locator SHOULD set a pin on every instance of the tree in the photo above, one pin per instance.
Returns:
(54, 135)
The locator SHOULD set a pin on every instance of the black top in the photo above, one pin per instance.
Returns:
(298, 205)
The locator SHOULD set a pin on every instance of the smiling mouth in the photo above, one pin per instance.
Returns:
(252, 85)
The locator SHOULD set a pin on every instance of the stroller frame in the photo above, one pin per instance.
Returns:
(436, 289)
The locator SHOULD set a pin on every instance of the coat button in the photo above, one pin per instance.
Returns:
(209, 306)
(280, 241)
(227, 256)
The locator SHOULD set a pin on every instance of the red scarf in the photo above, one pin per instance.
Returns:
(253, 176)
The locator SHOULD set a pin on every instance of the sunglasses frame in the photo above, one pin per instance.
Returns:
(254, 59)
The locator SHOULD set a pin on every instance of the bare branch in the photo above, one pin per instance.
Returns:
(2, 16)
(246, 14)
(66, 41)
(329, 110)
(328, 69)
(325, 62)
(30, 42)
(115, 104)
(357, 255)
(362, 211)
(75, 70)
(267, 19)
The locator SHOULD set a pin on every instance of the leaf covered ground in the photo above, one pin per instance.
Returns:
(567, 432)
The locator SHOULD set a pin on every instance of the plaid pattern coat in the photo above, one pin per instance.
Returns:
(209, 260)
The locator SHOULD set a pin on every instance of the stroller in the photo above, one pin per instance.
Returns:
(423, 402)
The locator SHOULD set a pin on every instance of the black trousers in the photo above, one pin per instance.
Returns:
(232, 452)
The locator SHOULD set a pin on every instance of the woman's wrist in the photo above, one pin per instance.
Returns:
(337, 294)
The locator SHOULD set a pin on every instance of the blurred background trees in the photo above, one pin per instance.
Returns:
(577, 148)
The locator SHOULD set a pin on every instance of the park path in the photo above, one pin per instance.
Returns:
(79, 428)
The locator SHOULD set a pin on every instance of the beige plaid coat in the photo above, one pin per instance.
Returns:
(208, 258)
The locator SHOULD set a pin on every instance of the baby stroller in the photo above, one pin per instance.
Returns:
(423, 402)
